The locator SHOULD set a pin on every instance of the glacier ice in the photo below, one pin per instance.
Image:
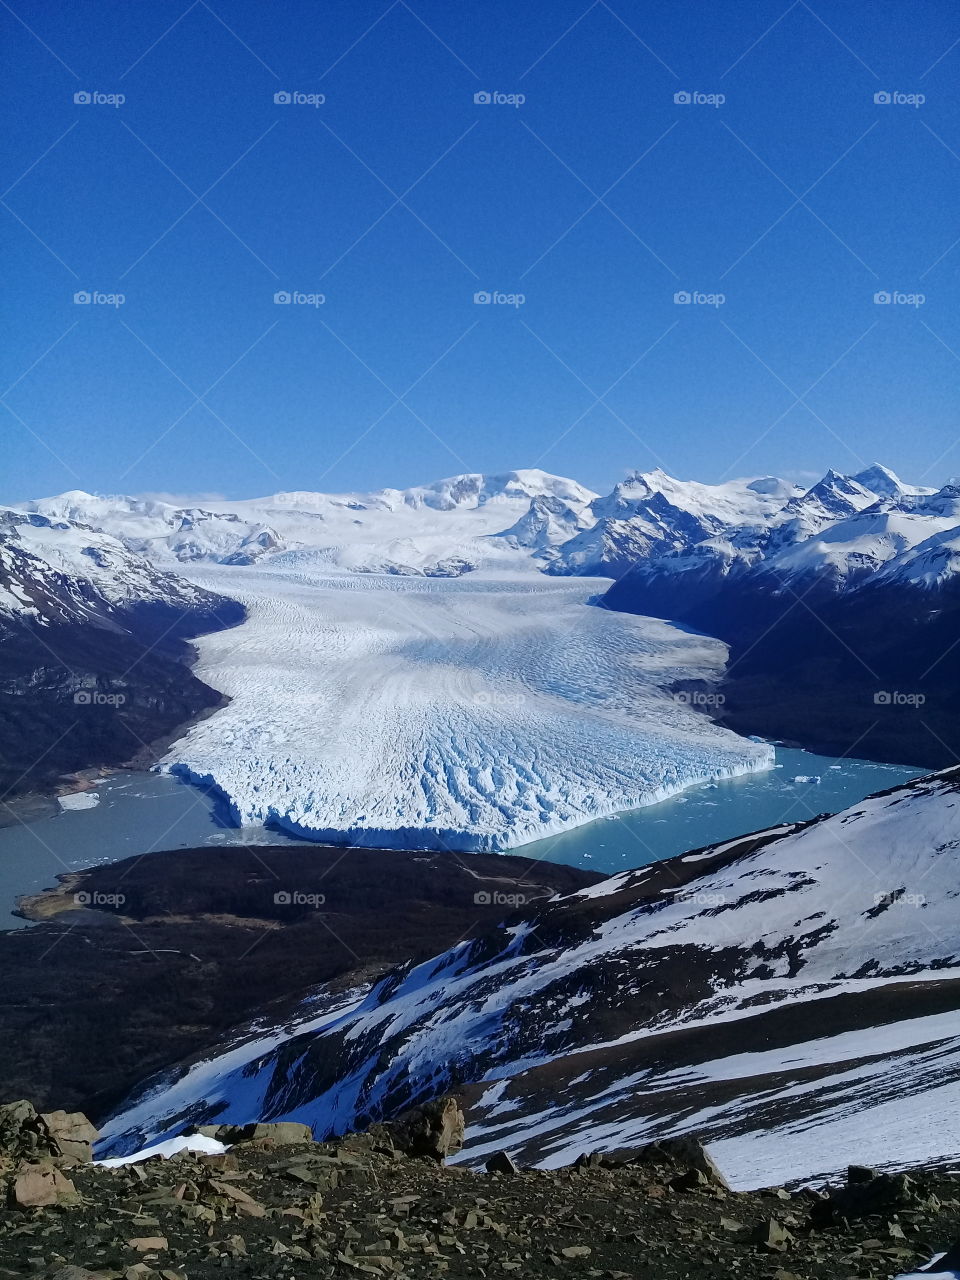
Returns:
(475, 713)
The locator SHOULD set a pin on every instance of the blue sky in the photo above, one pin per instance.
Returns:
(399, 198)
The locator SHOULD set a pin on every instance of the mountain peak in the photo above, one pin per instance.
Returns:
(880, 480)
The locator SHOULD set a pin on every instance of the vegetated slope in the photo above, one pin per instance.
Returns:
(800, 983)
(92, 650)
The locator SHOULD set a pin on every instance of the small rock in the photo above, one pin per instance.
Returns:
(731, 1224)
(148, 1244)
(501, 1163)
(772, 1235)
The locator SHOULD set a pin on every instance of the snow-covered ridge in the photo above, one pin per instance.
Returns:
(812, 970)
(836, 535)
(406, 531)
(839, 530)
(57, 570)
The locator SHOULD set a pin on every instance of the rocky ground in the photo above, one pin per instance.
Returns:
(277, 1205)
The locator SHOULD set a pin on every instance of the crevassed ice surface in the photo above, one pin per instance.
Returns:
(469, 713)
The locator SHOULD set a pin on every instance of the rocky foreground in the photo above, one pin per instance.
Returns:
(383, 1203)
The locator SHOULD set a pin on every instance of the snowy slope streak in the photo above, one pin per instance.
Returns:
(792, 996)
(472, 713)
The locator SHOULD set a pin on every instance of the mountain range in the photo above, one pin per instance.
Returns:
(694, 535)
(840, 602)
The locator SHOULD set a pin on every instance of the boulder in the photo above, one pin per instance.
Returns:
(433, 1130)
(72, 1133)
(501, 1163)
(281, 1133)
(38, 1185)
(691, 1154)
(866, 1193)
(26, 1134)
(685, 1159)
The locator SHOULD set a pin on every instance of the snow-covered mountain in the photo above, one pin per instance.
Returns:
(651, 515)
(829, 536)
(846, 599)
(790, 996)
(425, 529)
(91, 642)
(673, 538)
(53, 570)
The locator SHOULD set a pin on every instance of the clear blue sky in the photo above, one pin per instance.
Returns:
(399, 198)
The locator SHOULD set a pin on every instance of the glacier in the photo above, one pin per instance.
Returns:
(476, 713)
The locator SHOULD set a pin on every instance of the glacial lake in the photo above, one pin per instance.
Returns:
(146, 812)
